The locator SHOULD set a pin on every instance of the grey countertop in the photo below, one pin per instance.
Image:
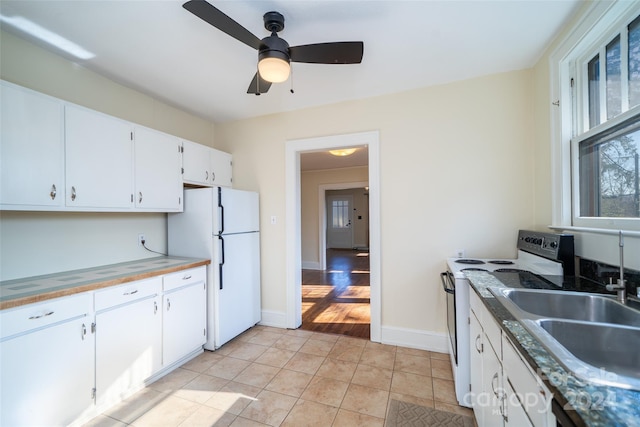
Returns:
(14, 293)
(587, 404)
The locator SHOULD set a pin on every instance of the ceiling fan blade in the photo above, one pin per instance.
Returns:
(328, 53)
(215, 17)
(258, 85)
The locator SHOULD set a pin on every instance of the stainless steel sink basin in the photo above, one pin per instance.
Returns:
(594, 337)
(570, 305)
(601, 353)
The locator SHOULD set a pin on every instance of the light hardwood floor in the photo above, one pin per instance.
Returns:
(336, 300)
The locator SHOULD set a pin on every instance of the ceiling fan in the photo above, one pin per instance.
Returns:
(274, 53)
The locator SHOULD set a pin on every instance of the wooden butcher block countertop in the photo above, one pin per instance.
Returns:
(17, 292)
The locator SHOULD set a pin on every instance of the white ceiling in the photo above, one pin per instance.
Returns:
(158, 48)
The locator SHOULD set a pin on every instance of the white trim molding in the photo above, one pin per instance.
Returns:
(414, 338)
(293, 149)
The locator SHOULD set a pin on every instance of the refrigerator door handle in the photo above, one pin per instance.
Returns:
(221, 263)
(221, 210)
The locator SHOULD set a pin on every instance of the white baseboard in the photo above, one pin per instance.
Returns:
(414, 338)
(277, 319)
(311, 265)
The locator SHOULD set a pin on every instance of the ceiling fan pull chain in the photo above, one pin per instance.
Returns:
(291, 80)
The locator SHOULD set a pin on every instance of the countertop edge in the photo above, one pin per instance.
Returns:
(17, 302)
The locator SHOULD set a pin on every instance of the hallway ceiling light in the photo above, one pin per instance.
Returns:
(343, 152)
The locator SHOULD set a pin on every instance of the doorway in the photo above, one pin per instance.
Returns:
(293, 208)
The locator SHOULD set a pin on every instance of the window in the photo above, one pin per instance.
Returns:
(605, 85)
(609, 173)
(340, 214)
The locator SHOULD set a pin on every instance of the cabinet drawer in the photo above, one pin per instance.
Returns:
(184, 278)
(531, 394)
(25, 318)
(128, 292)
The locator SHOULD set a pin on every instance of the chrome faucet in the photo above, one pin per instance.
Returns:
(620, 285)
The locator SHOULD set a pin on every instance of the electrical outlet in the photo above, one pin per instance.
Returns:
(141, 239)
(459, 253)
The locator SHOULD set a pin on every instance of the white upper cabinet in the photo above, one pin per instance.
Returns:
(221, 168)
(31, 149)
(158, 177)
(205, 166)
(99, 160)
(196, 163)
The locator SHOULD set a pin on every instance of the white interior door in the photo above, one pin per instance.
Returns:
(340, 221)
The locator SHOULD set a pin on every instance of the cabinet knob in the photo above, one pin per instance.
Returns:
(206, 174)
(213, 176)
(139, 196)
(53, 192)
(73, 194)
(84, 331)
(168, 304)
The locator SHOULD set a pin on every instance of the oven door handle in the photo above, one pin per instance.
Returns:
(447, 283)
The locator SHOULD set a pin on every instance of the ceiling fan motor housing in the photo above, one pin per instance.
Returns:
(274, 47)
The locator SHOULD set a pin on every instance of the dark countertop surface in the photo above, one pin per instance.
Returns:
(586, 404)
(17, 292)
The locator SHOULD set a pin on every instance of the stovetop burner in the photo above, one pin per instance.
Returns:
(501, 262)
(469, 261)
(474, 269)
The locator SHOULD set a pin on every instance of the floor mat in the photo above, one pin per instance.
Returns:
(404, 414)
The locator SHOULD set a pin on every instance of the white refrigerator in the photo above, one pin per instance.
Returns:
(222, 224)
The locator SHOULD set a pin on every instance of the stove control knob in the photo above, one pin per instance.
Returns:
(553, 245)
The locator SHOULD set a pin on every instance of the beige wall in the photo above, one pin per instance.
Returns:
(34, 243)
(456, 172)
(310, 183)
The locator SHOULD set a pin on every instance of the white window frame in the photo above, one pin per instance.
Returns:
(600, 21)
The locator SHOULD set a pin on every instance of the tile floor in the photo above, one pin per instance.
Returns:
(278, 377)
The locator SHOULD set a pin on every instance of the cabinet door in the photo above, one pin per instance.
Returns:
(99, 160)
(184, 322)
(516, 415)
(476, 348)
(128, 347)
(47, 375)
(31, 149)
(493, 394)
(221, 168)
(196, 163)
(158, 178)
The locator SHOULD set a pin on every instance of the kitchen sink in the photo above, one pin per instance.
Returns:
(593, 336)
(597, 352)
(569, 305)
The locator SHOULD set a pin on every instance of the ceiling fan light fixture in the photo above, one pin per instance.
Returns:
(274, 69)
(343, 152)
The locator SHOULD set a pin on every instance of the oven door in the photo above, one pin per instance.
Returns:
(448, 284)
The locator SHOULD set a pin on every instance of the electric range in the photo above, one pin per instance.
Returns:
(544, 260)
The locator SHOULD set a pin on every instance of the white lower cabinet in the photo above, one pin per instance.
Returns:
(128, 338)
(65, 360)
(46, 360)
(184, 314)
(505, 392)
